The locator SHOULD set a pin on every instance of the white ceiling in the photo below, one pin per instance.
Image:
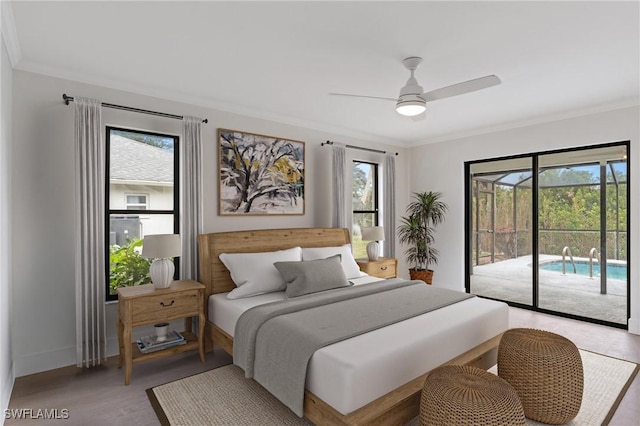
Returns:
(279, 60)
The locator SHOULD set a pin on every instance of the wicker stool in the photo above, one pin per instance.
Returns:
(463, 395)
(546, 371)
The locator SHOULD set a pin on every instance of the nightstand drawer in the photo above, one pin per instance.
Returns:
(381, 268)
(164, 307)
(385, 269)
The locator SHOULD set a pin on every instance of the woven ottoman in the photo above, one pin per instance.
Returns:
(546, 371)
(463, 395)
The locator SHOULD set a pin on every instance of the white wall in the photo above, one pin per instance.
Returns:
(43, 208)
(440, 167)
(159, 197)
(6, 276)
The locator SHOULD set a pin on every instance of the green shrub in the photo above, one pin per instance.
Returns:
(126, 266)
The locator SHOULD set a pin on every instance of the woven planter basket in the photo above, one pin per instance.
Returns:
(425, 275)
(465, 395)
(546, 371)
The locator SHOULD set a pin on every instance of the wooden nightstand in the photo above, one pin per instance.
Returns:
(384, 267)
(144, 304)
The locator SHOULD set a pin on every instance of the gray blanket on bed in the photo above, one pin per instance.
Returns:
(273, 343)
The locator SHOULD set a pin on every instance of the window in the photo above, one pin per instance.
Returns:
(364, 202)
(137, 201)
(548, 231)
(141, 199)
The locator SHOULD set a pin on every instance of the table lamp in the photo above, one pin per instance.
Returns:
(373, 234)
(161, 247)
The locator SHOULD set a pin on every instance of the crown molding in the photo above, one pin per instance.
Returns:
(166, 94)
(9, 33)
(542, 119)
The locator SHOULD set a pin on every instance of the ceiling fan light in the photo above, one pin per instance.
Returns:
(410, 108)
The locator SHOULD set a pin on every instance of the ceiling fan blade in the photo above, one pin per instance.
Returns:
(362, 96)
(462, 88)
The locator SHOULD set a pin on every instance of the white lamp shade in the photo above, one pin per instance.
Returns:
(161, 246)
(411, 101)
(410, 108)
(373, 233)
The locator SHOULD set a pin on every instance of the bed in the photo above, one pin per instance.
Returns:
(339, 390)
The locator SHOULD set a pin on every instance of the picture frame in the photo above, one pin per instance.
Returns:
(260, 174)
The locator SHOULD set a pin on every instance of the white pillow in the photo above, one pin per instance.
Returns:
(349, 265)
(254, 273)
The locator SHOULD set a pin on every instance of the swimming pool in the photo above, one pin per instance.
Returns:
(616, 271)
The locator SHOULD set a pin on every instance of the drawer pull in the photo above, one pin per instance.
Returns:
(172, 302)
(384, 268)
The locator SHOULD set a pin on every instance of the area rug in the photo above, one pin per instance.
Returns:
(224, 397)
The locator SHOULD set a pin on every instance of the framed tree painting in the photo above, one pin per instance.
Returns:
(260, 175)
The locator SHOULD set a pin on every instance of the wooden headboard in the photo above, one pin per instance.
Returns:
(215, 276)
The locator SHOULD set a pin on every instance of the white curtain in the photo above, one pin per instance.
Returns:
(191, 196)
(339, 212)
(389, 212)
(90, 152)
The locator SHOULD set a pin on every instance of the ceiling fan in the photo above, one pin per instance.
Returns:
(412, 100)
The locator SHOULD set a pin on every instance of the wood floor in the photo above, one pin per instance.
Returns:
(99, 397)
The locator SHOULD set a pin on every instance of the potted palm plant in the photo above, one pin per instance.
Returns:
(417, 231)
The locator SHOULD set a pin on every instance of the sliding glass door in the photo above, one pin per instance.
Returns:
(548, 231)
(500, 220)
(581, 237)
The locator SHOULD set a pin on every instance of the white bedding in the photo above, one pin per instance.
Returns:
(349, 374)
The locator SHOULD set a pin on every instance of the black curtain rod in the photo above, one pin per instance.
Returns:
(358, 147)
(68, 99)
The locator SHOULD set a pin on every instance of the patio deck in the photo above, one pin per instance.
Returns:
(510, 280)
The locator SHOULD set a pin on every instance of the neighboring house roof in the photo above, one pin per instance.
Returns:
(136, 161)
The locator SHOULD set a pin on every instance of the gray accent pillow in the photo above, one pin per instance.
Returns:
(312, 276)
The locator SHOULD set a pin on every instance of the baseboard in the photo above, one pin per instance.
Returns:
(63, 357)
(112, 347)
(37, 363)
(7, 389)
(634, 326)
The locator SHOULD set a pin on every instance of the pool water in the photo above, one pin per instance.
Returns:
(614, 270)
